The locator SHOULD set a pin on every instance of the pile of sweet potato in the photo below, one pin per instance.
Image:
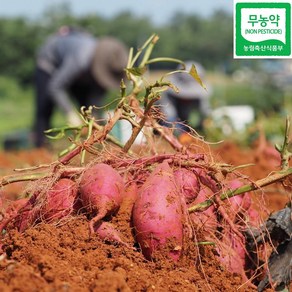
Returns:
(159, 192)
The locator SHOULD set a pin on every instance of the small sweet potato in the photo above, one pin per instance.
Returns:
(13, 208)
(206, 179)
(11, 211)
(130, 195)
(207, 219)
(107, 232)
(101, 191)
(188, 183)
(239, 203)
(27, 214)
(232, 253)
(59, 200)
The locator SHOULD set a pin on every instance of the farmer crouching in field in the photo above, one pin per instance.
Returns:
(191, 104)
(73, 66)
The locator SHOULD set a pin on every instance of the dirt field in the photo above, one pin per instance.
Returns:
(64, 257)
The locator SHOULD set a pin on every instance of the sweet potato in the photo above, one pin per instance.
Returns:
(207, 219)
(131, 194)
(11, 211)
(56, 203)
(240, 203)
(13, 208)
(59, 200)
(27, 214)
(157, 216)
(254, 218)
(232, 253)
(188, 183)
(107, 231)
(206, 178)
(26, 219)
(101, 191)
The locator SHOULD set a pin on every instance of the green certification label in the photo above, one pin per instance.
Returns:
(262, 29)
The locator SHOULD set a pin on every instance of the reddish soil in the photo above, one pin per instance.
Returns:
(64, 258)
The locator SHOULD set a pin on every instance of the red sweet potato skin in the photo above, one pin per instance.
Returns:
(188, 183)
(101, 189)
(59, 200)
(15, 206)
(108, 232)
(238, 204)
(27, 215)
(232, 252)
(56, 203)
(11, 212)
(158, 215)
(207, 219)
(131, 192)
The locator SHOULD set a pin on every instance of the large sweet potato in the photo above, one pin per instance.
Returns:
(157, 217)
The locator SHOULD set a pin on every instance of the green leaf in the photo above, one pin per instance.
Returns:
(194, 73)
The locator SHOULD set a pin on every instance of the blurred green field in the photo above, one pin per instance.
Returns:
(17, 110)
(17, 107)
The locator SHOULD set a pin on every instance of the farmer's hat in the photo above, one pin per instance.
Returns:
(188, 87)
(110, 60)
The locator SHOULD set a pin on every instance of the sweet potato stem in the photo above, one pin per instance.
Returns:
(149, 99)
(284, 151)
(277, 176)
(6, 180)
(64, 172)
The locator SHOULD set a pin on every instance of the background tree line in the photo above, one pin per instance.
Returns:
(208, 40)
(184, 36)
